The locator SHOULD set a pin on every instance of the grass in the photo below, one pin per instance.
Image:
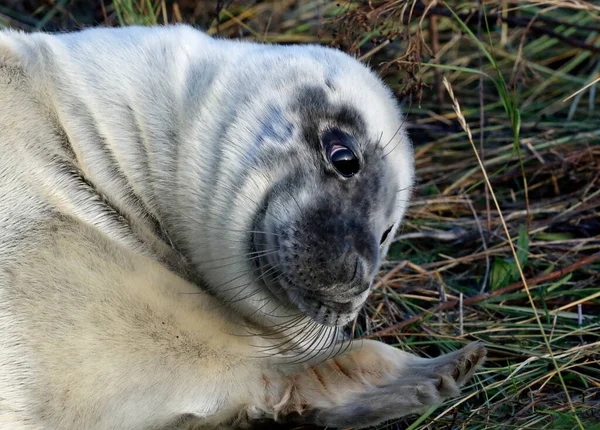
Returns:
(502, 241)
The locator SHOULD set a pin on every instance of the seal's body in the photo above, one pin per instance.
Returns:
(185, 225)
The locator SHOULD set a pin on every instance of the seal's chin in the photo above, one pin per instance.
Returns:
(328, 312)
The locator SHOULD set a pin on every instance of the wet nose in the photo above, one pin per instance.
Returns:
(352, 264)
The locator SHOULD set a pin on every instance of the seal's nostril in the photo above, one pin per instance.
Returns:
(356, 264)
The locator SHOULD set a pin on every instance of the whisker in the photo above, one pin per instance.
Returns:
(397, 130)
(291, 337)
(273, 315)
(296, 343)
(243, 287)
(273, 334)
(229, 301)
(238, 261)
(238, 255)
(233, 230)
(310, 349)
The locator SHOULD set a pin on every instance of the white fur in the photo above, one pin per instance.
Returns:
(105, 134)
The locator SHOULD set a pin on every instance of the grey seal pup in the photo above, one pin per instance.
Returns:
(187, 224)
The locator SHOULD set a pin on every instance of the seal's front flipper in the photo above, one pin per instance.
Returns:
(375, 383)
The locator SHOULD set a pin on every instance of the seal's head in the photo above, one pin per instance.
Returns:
(329, 222)
(319, 170)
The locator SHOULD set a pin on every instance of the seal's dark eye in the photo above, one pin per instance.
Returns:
(385, 235)
(344, 160)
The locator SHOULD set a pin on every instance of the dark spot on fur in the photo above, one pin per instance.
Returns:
(349, 117)
(273, 127)
(314, 108)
